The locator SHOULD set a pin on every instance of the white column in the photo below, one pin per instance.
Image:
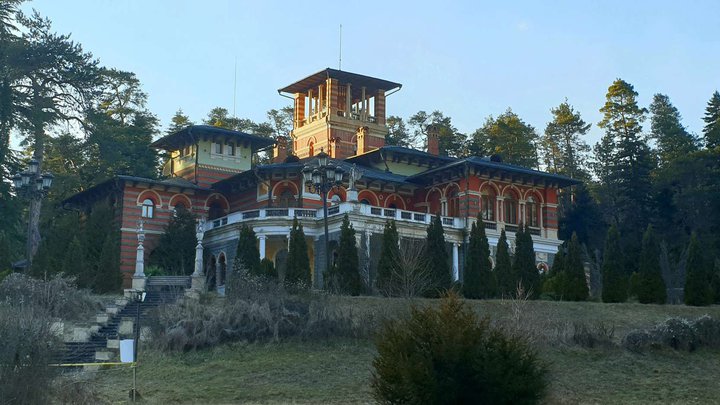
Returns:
(262, 239)
(140, 257)
(456, 262)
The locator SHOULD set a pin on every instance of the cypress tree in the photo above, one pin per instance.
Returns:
(614, 280)
(523, 268)
(503, 267)
(387, 264)
(267, 268)
(575, 285)
(175, 252)
(347, 269)
(108, 278)
(436, 257)
(554, 284)
(698, 277)
(478, 280)
(715, 283)
(298, 263)
(74, 263)
(711, 131)
(651, 287)
(248, 254)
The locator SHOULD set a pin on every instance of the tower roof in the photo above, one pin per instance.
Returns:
(371, 84)
(191, 134)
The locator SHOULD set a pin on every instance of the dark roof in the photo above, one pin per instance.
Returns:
(562, 181)
(100, 189)
(190, 135)
(400, 150)
(371, 84)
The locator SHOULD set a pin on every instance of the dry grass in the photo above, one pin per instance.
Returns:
(338, 370)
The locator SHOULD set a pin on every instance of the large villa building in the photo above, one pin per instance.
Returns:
(213, 172)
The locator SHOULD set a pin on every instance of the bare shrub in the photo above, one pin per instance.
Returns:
(589, 335)
(410, 276)
(76, 389)
(638, 340)
(707, 331)
(677, 333)
(26, 351)
(58, 297)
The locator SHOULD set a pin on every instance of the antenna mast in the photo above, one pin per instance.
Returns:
(340, 60)
(234, 87)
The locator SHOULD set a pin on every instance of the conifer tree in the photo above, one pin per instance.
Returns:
(614, 286)
(178, 122)
(562, 147)
(503, 268)
(175, 252)
(711, 131)
(248, 254)
(346, 269)
(387, 264)
(651, 287)
(436, 257)
(575, 285)
(478, 280)
(267, 268)
(554, 283)
(75, 264)
(524, 268)
(108, 278)
(698, 277)
(673, 140)
(298, 263)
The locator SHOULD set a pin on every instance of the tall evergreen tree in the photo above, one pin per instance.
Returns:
(74, 263)
(506, 281)
(436, 257)
(562, 147)
(387, 264)
(698, 291)
(478, 279)
(508, 136)
(615, 282)
(178, 122)
(298, 263)
(398, 133)
(524, 268)
(625, 163)
(554, 283)
(346, 271)
(575, 287)
(711, 131)
(108, 278)
(651, 287)
(175, 251)
(673, 140)
(248, 254)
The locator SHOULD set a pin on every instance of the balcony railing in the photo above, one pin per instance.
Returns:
(367, 210)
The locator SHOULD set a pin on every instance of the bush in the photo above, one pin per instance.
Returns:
(677, 333)
(58, 297)
(588, 335)
(447, 355)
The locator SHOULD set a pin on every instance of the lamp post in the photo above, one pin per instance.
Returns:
(139, 299)
(321, 178)
(34, 186)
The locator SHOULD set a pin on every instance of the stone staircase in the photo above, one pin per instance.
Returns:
(118, 322)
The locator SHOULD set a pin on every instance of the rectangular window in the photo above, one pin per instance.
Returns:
(510, 212)
(488, 208)
(230, 149)
(217, 148)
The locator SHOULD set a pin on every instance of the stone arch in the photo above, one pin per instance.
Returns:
(217, 206)
(511, 205)
(285, 194)
(452, 197)
(489, 184)
(432, 200)
(370, 196)
(535, 193)
(489, 192)
(395, 199)
(338, 191)
(152, 195)
(311, 146)
(180, 199)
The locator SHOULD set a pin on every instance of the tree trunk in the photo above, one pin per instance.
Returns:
(33, 232)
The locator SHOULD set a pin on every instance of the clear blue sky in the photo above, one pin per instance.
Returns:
(468, 59)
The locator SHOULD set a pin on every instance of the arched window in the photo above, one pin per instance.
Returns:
(148, 208)
(531, 212)
(488, 206)
(511, 205)
(287, 199)
(215, 210)
(311, 146)
(335, 199)
(365, 201)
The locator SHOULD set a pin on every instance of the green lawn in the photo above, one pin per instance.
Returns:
(338, 371)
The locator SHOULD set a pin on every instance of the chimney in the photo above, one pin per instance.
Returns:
(280, 149)
(433, 142)
(361, 138)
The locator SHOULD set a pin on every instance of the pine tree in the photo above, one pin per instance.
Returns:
(75, 265)
(346, 269)
(478, 279)
(509, 136)
(298, 263)
(651, 287)
(503, 268)
(524, 268)
(711, 131)
(615, 283)
(387, 264)
(248, 254)
(673, 140)
(436, 257)
(108, 278)
(698, 276)
(575, 285)
(563, 150)
(178, 122)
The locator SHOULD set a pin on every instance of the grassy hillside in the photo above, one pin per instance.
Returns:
(337, 370)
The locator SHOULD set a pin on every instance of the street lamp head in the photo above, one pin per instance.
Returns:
(47, 180)
(33, 166)
(17, 181)
(25, 178)
(330, 173)
(307, 174)
(339, 172)
(38, 184)
(316, 177)
(322, 158)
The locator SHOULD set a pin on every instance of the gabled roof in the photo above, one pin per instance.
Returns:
(190, 135)
(371, 84)
(414, 154)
